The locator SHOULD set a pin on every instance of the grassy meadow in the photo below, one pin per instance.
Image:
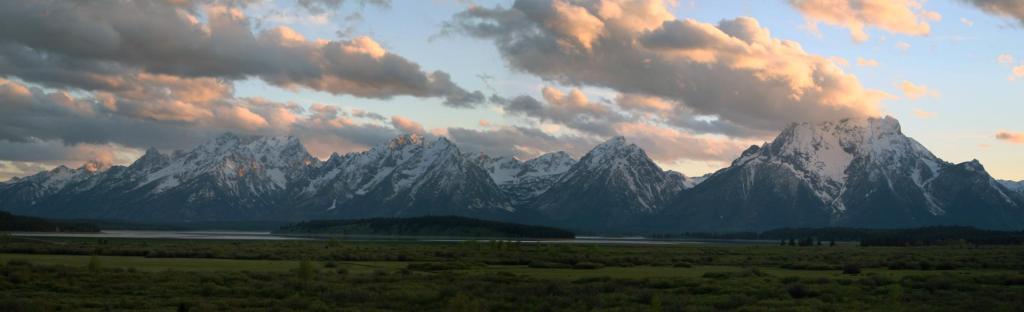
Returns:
(207, 275)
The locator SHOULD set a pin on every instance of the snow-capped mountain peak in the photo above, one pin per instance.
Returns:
(523, 181)
(502, 169)
(405, 140)
(547, 164)
(613, 182)
(94, 166)
(851, 172)
(150, 161)
(614, 153)
(257, 163)
(822, 153)
(402, 175)
(854, 172)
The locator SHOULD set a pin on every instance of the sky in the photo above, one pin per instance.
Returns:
(694, 83)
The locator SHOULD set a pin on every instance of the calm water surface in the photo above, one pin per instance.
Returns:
(244, 235)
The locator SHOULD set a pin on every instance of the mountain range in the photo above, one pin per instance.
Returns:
(852, 172)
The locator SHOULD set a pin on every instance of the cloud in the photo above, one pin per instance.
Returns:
(572, 109)
(1003, 8)
(368, 115)
(242, 118)
(1011, 137)
(735, 71)
(1018, 72)
(664, 145)
(667, 145)
(967, 22)
(903, 46)
(656, 110)
(923, 114)
(1008, 60)
(50, 152)
(101, 41)
(120, 76)
(908, 17)
(862, 62)
(406, 125)
(839, 61)
(915, 91)
(28, 115)
(27, 158)
(660, 126)
(521, 142)
(1005, 59)
(322, 6)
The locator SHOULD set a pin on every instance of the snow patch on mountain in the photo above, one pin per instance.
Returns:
(257, 164)
(524, 181)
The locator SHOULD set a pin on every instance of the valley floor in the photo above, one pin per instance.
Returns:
(151, 274)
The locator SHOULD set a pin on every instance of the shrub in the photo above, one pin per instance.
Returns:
(925, 265)
(851, 269)
(463, 303)
(19, 262)
(587, 266)
(306, 270)
(716, 275)
(94, 263)
(438, 266)
(945, 266)
(799, 291)
(548, 265)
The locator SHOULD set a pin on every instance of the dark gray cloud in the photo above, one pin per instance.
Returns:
(321, 6)
(94, 40)
(1004, 8)
(367, 114)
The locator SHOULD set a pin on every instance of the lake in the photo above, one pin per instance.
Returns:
(246, 235)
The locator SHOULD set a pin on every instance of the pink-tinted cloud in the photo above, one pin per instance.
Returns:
(908, 17)
(863, 62)
(1016, 72)
(1011, 137)
(406, 125)
(915, 91)
(1005, 59)
(923, 114)
(668, 145)
(734, 71)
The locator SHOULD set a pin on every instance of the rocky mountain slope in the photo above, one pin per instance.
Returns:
(612, 186)
(408, 176)
(860, 173)
(1016, 186)
(522, 182)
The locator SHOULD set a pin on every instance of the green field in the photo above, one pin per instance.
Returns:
(366, 267)
(149, 274)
